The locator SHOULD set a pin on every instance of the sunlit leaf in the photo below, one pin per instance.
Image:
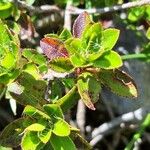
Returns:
(30, 141)
(35, 127)
(5, 9)
(8, 61)
(119, 82)
(108, 60)
(45, 135)
(32, 69)
(35, 113)
(109, 38)
(61, 64)
(61, 128)
(93, 37)
(89, 89)
(62, 143)
(34, 56)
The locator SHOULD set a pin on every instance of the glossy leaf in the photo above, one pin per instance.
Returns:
(53, 48)
(109, 38)
(61, 65)
(35, 127)
(89, 89)
(80, 23)
(45, 135)
(8, 61)
(53, 110)
(62, 143)
(61, 128)
(108, 60)
(30, 141)
(12, 134)
(119, 82)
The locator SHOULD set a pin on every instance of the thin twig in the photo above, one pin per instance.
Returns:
(109, 127)
(67, 17)
(74, 10)
(37, 10)
(80, 116)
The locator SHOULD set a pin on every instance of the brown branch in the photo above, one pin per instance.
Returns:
(74, 10)
(37, 10)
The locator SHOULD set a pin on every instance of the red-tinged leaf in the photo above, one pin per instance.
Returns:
(80, 23)
(53, 48)
(119, 82)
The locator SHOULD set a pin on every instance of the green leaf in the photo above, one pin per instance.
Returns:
(93, 38)
(34, 56)
(108, 60)
(35, 127)
(109, 38)
(33, 70)
(9, 76)
(89, 89)
(35, 113)
(136, 13)
(8, 61)
(53, 110)
(69, 100)
(56, 90)
(75, 46)
(30, 141)
(65, 34)
(45, 135)
(61, 64)
(78, 61)
(28, 91)
(62, 143)
(148, 33)
(7, 40)
(5, 9)
(119, 82)
(61, 128)
(12, 134)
